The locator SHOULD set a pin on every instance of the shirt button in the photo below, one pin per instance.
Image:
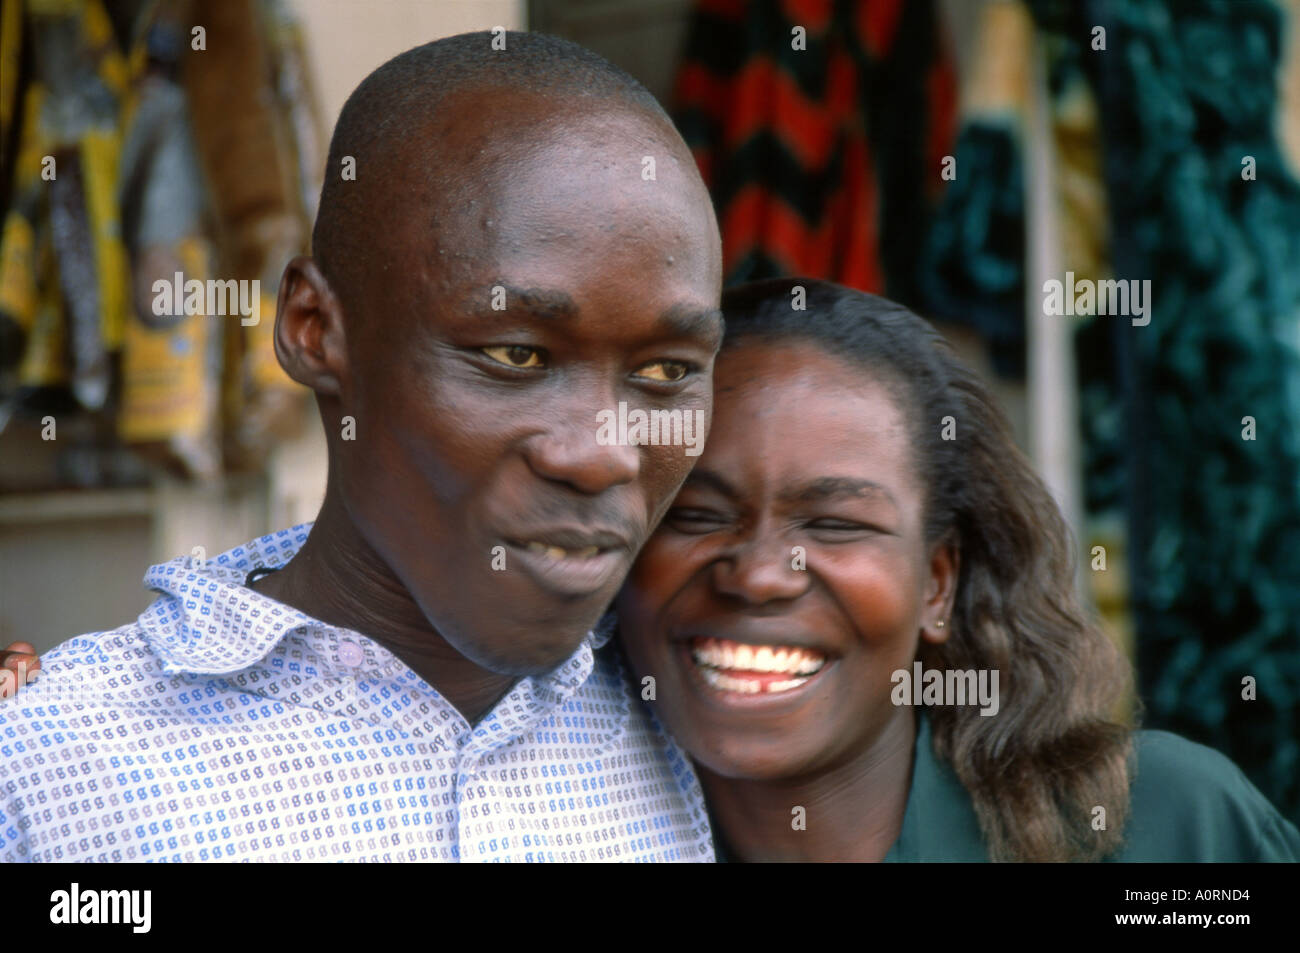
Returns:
(350, 654)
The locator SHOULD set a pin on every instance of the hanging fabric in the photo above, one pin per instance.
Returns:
(820, 127)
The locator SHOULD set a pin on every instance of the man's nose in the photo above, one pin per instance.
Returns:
(759, 571)
(569, 453)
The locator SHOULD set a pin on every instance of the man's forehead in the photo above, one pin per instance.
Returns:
(515, 195)
(484, 125)
(558, 174)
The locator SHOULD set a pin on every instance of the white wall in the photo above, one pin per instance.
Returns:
(349, 38)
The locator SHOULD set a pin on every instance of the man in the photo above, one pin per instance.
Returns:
(524, 243)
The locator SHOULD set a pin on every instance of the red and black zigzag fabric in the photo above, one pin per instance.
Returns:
(822, 161)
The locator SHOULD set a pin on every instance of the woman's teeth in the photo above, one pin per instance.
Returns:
(738, 656)
(730, 666)
(748, 686)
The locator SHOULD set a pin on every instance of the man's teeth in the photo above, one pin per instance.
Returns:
(736, 656)
(555, 552)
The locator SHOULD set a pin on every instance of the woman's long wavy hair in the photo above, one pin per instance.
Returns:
(1054, 752)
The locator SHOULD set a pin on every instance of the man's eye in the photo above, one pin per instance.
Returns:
(666, 371)
(514, 355)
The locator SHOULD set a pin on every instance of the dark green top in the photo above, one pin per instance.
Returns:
(1188, 803)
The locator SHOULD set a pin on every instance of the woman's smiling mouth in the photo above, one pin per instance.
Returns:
(753, 669)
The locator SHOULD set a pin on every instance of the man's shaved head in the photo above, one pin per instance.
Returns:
(526, 245)
(385, 124)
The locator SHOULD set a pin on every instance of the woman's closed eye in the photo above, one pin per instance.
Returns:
(834, 529)
(693, 519)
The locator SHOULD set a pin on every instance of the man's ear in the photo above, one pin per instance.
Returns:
(941, 590)
(309, 339)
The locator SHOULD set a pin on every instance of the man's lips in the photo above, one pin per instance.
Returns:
(571, 563)
(568, 541)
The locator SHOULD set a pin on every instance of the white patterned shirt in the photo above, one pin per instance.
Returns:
(224, 725)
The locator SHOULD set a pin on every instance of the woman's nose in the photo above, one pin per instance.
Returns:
(760, 571)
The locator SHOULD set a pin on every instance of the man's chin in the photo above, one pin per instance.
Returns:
(504, 655)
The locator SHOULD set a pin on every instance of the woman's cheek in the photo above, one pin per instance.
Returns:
(650, 586)
(649, 575)
(879, 593)
(667, 561)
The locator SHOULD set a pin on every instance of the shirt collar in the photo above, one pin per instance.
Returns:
(604, 630)
(939, 823)
(207, 622)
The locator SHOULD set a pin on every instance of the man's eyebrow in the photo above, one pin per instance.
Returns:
(541, 303)
(828, 488)
(680, 320)
(683, 320)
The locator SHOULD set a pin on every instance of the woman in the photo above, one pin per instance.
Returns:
(860, 510)
(860, 507)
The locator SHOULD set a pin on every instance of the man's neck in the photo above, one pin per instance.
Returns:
(338, 578)
(852, 813)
